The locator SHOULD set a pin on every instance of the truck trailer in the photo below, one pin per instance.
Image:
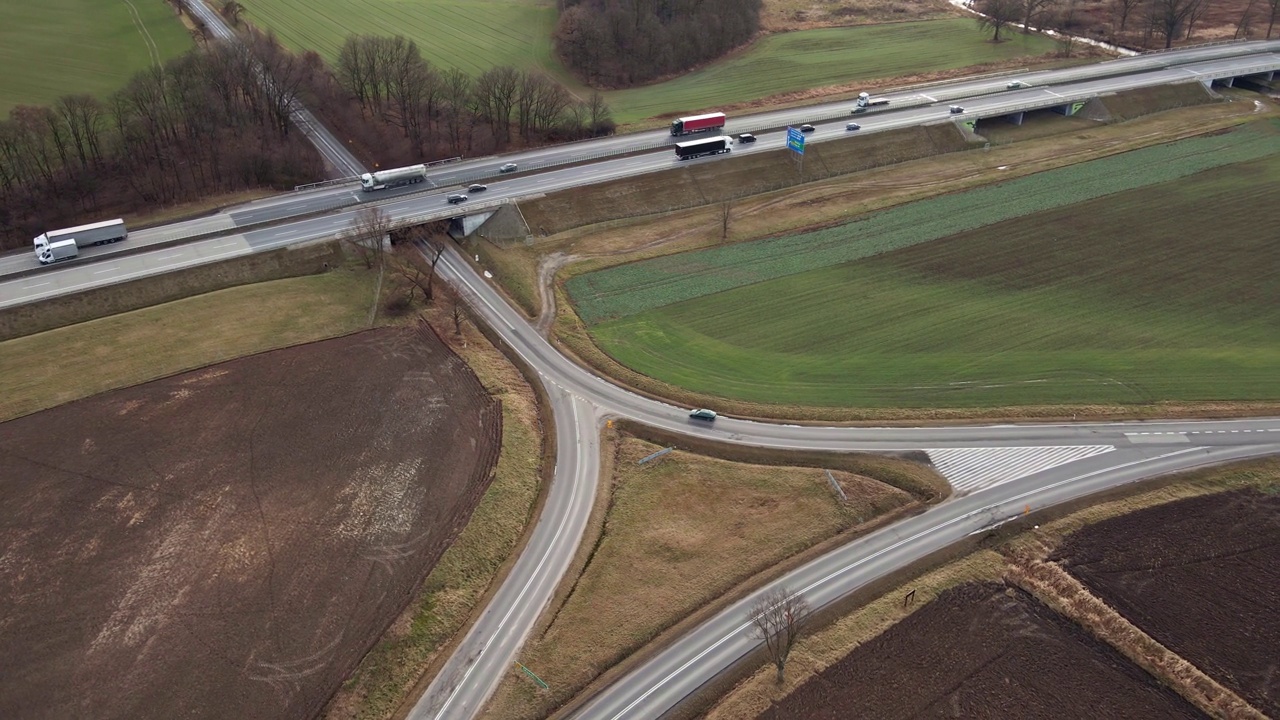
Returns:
(697, 123)
(708, 146)
(394, 177)
(63, 244)
(865, 102)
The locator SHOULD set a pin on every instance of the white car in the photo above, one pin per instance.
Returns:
(1017, 84)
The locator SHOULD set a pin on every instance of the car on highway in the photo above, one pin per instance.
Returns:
(1017, 84)
(509, 167)
(806, 128)
(703, 414)
(746, 138)
(956, 109)
(477, 188)
(455, 199)
(853, 126)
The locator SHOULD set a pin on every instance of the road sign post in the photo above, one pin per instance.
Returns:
(795, 143)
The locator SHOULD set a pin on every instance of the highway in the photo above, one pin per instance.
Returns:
(26, 281)
(1015, 465)
(1155, 69)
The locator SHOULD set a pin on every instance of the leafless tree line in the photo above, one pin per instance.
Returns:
(1143, 22)
(447, 111)
(619, 43)
(204, 122)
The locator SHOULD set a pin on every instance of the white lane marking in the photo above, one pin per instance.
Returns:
(110, 269)
(28, 287)
(226, 244)
(929, 98)
(169, 256)
(969, 469)
(836, 573)
(1054, 93)
(1170, 437)
(573, 494)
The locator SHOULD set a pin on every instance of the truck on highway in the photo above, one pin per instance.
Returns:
(707, 146)
(866, 102)
(697, 123)
(62, 244)
(394, 177)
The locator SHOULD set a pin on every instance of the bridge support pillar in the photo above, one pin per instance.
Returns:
(1069, 109)
(1016, 118)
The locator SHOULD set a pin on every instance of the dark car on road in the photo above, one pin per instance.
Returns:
(703, 414)
(806, 128)
(509, 167)
(477, 188)
(455, 199)
(746, 138)
(853, 126)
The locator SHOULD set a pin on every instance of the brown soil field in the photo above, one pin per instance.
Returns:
(229, 542)
(982, 651)
(1202, 576)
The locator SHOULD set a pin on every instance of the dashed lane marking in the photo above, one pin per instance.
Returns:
(972, 469)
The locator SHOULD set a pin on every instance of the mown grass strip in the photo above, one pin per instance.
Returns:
(631, 289)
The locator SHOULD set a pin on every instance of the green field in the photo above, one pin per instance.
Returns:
(476, 35)
(472, 35)
(62, 47)
(807, 59)
(1162, 293)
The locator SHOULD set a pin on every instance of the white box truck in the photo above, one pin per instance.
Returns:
(70, 241)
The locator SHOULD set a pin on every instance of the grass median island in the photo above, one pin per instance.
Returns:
(1157, 294)
(678, 534)
(66, 47)
(57, 366)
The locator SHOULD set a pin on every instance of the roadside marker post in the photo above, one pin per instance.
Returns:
(536, 679)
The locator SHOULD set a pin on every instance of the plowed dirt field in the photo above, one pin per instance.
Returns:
(979, 651)
(228, 543)
(1200, 575)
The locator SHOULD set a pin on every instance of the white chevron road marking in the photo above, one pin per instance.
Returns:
(970, 469)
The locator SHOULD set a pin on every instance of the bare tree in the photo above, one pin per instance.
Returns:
(1064, 21)
(367, 235)
(1032, 12)
(1168, 17)
(456, 97)
(997, 14)
(600, 116)
(778, 618)
(1275, 12)
(1198, 9)
(1124, 8)
(725, 210)
(1246, 21)
(457, 316)
(498, 91)
(233, 11)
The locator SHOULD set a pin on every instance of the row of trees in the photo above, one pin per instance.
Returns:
(396, 107)
(619, 43)
(1141, 22)
(202, 123)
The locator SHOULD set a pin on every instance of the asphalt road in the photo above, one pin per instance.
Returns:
(104, 265)
(1133, 451)
(580, 401)
(481, 169)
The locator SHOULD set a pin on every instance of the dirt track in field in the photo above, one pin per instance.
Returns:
(228, 543)
(1200, 575)
(979, 651)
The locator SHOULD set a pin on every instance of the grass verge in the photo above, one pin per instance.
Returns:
(794, 61)
(67, 47)
(57, 366)
(674, 536)
(382, 684)
(827, 645)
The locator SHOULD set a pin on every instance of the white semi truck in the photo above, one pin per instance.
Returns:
(394, 177)
(866, 102)
(64, 244)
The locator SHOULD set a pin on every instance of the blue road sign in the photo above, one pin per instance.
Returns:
(795, 140)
